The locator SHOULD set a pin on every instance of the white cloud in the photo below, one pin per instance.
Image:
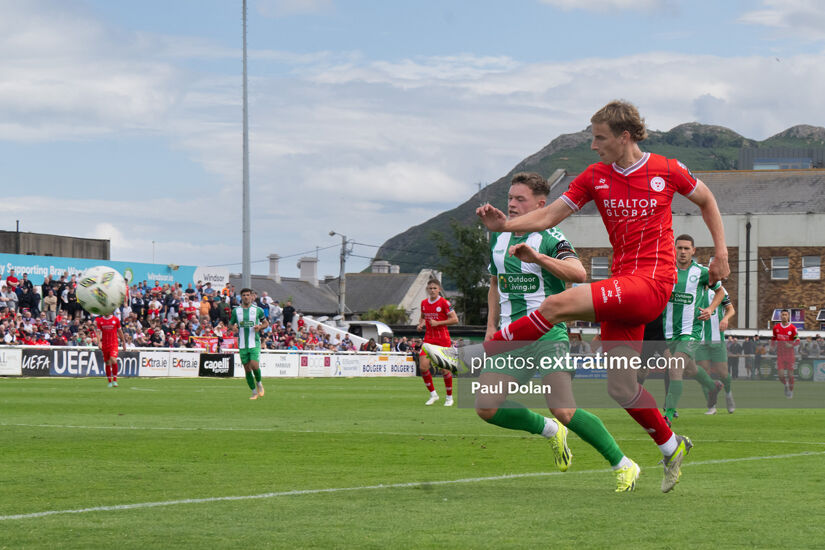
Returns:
(797, 18)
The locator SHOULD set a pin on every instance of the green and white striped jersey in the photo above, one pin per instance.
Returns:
(689, 294)
(711, 326)
(246, 318)
(522, 287)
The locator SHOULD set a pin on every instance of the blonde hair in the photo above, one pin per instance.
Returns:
(621, 115)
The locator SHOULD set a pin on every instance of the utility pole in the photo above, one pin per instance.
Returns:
(342, 275)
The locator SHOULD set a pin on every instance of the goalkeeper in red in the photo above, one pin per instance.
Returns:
(633, 191)
(249, 320)
(109, 335)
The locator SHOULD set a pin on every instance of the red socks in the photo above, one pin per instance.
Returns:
(448, 382)
(645, 412)
(428, 380)
(528, 328)
(108, 372)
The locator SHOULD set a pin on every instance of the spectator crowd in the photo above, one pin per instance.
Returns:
(159, 315)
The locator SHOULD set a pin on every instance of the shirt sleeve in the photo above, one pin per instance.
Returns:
(578, 194)
(233, 319)
(683, 179)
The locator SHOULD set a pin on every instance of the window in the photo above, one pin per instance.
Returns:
(810, 268)
(599, 268)
(779, 268)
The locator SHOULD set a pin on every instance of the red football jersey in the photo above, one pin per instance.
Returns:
(635, 206)
(781, 335)
(108, 326)
(438, 310)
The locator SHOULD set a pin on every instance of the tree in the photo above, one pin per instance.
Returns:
(390, 314)
(464, 260)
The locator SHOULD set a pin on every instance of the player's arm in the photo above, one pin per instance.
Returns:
(99, 336)
(569, 269)
(452, 319)
(122, 338)
(493, 309)
(729, 313)
(421, 322)
(537, 220)
(718, 298)
(262, 322)
(704, 199)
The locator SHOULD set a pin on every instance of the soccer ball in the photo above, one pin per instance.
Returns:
(101, 290)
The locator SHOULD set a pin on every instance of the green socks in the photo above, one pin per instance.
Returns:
(674, 393)
(591, 429)
(514, 416)
(704, 378)
(726, 382)
(250, 380)
(257, 373)
(587, 426)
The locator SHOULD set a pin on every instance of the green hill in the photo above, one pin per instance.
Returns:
(699, 146)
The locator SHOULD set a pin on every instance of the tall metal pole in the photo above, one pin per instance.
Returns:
(246, 276)
(342, 275)
(342, 278)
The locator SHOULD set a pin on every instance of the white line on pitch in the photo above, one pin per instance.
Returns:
(331, 432)
(366, 488)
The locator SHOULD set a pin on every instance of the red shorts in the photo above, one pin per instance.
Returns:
(785, 363)
(109, 353)
(624, 304)
(444, 342)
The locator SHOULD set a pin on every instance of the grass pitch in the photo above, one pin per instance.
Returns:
(362, 463)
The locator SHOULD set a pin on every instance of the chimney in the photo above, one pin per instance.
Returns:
(309, 270)
(380, 266)
(395, 269)
(273, 267)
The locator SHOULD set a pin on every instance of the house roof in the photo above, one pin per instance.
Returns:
(305, 297)
(367, 291)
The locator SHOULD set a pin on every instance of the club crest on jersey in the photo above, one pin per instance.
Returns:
(438, 309)
(657, 183)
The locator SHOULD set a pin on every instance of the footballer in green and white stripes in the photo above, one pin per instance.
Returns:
(712, 354)
(525, 269)
(683, 323)
(249, 320)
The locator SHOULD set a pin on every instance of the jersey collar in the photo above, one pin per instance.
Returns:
(633, 167)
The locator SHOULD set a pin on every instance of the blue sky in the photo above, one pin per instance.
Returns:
(122, 120)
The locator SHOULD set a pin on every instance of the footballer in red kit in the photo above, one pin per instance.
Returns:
(110, 335)
(785, 338)
(436, 315)
(633, 191)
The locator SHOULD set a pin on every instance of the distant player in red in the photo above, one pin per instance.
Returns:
(436, 315)
(785, 338)
(109, 334)
(633, 191)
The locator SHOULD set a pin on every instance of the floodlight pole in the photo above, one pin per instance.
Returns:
(246, 276)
